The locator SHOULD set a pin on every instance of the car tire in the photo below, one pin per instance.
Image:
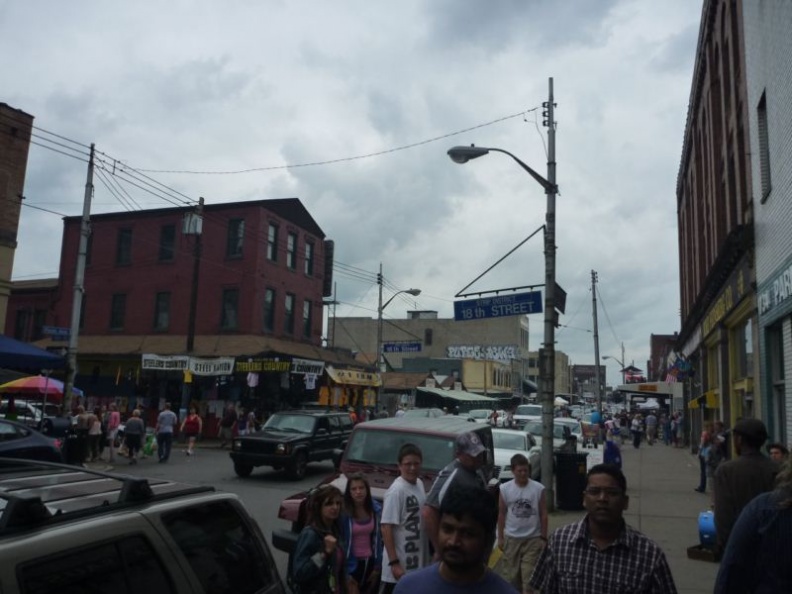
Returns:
(298, 466)
(243, 470)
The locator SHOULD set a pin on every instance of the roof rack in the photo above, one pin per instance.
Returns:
(34, 493)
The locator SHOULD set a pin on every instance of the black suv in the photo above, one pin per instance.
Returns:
(373, 449)
(68, 529)
(291, 439)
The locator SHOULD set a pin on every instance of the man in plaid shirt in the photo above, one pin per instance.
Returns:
(601, 554)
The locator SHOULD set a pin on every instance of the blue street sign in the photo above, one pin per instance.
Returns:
(56, 332)
(517, 304)
(401, 347)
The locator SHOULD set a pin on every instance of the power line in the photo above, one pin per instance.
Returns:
(343, 159)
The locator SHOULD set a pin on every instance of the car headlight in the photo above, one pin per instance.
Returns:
(282, 448)
(237, 445)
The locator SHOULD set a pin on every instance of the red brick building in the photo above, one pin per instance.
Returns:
(263, 270)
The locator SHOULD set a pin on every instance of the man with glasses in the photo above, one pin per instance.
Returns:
(601, 553)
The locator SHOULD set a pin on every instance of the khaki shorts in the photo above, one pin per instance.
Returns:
(518, 560)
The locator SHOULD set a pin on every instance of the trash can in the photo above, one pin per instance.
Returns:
(570, 473)
(74, 446)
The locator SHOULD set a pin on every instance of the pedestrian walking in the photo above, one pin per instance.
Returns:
(227, 425)
(133, 436)
(94, 434)
(601, 552)
(191, 427)
(705, 442)
(778, 452)
(757, 556)
(738, 481)
(166, 422)
(405, 546)
(468, 518)
(361, 535)
(112, 423)
(522, 525)
(651, 427)
(637, 429)
(317, 563)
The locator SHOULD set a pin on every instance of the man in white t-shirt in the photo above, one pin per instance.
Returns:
(403, 535)
(522, 525)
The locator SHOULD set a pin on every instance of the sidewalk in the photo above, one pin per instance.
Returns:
(664, 506)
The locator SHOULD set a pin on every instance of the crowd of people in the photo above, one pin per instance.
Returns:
(442, 541)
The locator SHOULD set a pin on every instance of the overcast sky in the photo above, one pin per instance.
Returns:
(218, 87)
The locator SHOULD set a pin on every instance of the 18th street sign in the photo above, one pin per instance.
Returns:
(401, 347)
(517, 304)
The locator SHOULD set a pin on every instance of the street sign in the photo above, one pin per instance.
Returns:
(56, 332)
(517, 304)
(401, 347)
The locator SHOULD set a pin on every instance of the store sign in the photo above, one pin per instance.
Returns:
(195, 365)
(306, 367)
(489, 352)
(262, 366)
(733, 292)
(776, 292)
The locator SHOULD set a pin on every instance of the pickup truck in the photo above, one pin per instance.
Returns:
(290, 440)
(373, 449)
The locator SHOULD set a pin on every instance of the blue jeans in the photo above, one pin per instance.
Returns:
(164, 443)
(703, 468)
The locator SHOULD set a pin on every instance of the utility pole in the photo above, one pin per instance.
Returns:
(380, 354)
(597, 378)
(79, 279)
(547, 353)
(192, 225)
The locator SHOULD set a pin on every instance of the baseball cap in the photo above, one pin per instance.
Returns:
(752, 429)
(470, 444)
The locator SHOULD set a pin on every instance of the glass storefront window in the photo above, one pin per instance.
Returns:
(744, 351)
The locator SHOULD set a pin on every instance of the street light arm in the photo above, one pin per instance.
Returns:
(548, 186)
(413, 292)
(614, 358)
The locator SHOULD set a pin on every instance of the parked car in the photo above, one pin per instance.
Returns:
(574, 425)
(479, 415)
(23, 412)
(290, 440)
(525, 413)
(432, 413)
(535, 429)
(508, 442)
(20, 441)
(372, 450)
(67, 529)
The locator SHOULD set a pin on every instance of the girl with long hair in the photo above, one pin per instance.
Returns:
(360, 531)
(317, 563)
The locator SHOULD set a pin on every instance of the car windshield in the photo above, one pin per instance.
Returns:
(290, 423)
(380, 448)
(423, 412)
(479, 413)
(509, 441)
(535, 428)
(534, 410)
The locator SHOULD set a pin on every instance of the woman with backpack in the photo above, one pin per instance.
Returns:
(191, 427)
(317, 565)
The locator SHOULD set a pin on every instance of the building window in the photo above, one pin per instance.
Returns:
(272, 242)
(269, 310)
(743, 344)
(21, 323)
(124, 247)
(289, 326)
(39, 321)
(309, 258)
(162, 311)
(291, 251)
(167, 243)
(230, 318)
(117, 311)
(428, 336)
(764, 147)
(307, 318)
(235, 238)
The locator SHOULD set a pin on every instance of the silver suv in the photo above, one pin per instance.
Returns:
(67, 529)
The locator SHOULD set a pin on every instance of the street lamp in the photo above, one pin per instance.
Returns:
(382, 306)
(620, 362)
(463, 154)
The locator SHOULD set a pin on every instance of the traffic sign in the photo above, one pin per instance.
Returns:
(401, 347)
(517, 304)
(56, 332)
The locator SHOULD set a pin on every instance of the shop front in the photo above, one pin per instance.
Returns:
(354, 388)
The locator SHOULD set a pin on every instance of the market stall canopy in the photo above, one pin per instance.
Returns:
(38, 385)
(15, 354)
(459, 395)
(560, 401)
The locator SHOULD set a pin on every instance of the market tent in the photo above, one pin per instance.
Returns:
(560, 401)
(15, 354)
(465, 401)
(38, 385)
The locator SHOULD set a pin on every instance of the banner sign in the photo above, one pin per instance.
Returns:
(517, 304)
(262, 365)
(306, 366)
(490, 352)
(195, 365)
